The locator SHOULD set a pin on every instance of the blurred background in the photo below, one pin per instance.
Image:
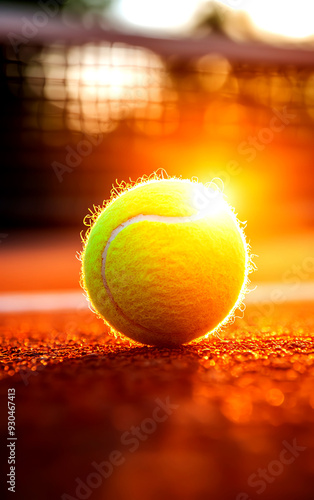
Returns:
(99, 91)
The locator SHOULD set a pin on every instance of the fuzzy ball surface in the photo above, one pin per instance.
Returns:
(165, 262)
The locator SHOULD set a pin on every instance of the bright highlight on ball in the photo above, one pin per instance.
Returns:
(166, 262)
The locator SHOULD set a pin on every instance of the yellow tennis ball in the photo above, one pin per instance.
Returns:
(165, 262)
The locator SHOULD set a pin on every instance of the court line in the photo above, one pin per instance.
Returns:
(75, 300)
(43, 301)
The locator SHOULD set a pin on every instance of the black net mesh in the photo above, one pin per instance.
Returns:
(112, 107)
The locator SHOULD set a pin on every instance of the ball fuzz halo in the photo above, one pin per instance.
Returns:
(166, 261)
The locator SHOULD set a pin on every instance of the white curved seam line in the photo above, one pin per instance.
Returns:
(134, 220)
(140, 218)
(150, 218)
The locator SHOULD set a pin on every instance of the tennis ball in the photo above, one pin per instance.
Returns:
(165, 262)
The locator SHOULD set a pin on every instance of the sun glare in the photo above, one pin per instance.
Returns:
(288, 19)
(159, 15)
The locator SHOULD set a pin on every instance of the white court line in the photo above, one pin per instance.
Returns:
(42, 301)
(280, 292)
(74, 299)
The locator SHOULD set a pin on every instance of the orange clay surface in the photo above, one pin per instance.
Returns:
(238, 397)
